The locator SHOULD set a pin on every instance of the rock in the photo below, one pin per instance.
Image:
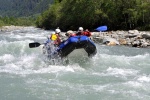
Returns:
(111, 43)
(110, 40)
(122, 41)
(146, 36)
(11, 28)
(139, 37)
(95, 34)
(130, 35)
(145, 44)
(97, 39)
(133, 32)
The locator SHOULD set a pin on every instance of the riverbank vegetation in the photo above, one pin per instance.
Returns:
(21, 12)
(22, 21)
(116, 14)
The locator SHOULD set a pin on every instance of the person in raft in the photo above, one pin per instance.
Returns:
(56, 37)
(70, 33)
(82, 32)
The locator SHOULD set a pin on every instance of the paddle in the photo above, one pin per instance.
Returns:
(101, 28)
(33, 45)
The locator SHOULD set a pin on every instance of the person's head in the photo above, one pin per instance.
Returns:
(80, 29)
(57, 31)
(86, 30)
(69, 33)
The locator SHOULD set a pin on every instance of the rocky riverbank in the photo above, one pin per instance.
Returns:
(133, 38)
(11, 28)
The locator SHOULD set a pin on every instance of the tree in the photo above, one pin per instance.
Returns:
(116, 14)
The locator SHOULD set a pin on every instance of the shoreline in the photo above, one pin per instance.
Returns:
(12, 27)
(132, 38)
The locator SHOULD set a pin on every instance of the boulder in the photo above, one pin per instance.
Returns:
(111, 43)
(130, 35)
(122, 41)
(146, 36)
(107, 40)
(133, 32)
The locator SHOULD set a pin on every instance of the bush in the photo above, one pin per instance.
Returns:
(17, 21)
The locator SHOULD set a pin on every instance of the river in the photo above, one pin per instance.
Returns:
(114, 73)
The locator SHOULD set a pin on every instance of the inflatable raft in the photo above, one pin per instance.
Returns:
(74, 43)
(74, 47)
(77, 42)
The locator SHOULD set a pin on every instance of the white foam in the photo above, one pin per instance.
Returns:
(28, 65)
(146, 55)
(100, 88)
(144, 79)
(10, 68)
(134, 84)
(54, 69)
(7, 58)
(122, 72)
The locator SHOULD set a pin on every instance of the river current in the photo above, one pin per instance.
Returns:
(114, 73)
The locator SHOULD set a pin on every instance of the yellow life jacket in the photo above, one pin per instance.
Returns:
(53, 37)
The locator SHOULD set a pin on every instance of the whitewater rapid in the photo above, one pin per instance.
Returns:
(115, 72)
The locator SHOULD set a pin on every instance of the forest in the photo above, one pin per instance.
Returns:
(116, 14)
(23, 8)
(71, 14)
(21, 12)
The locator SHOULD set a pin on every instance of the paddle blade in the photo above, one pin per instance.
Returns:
(33, 45)
(102, 28)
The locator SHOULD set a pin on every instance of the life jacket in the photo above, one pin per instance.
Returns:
(79, 33)
(53, 37)
(73, 34)
(87, 33)
(56, 39)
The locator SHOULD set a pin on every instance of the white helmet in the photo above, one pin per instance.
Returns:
(57, 31)
(53, 32)
(80, 29)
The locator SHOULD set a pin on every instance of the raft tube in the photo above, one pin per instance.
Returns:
(77, 42)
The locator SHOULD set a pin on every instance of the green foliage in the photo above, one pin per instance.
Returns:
(17, 21)
(79, 13)
(1, 23)
(49, 18)
(116, 14)
(21, 12)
